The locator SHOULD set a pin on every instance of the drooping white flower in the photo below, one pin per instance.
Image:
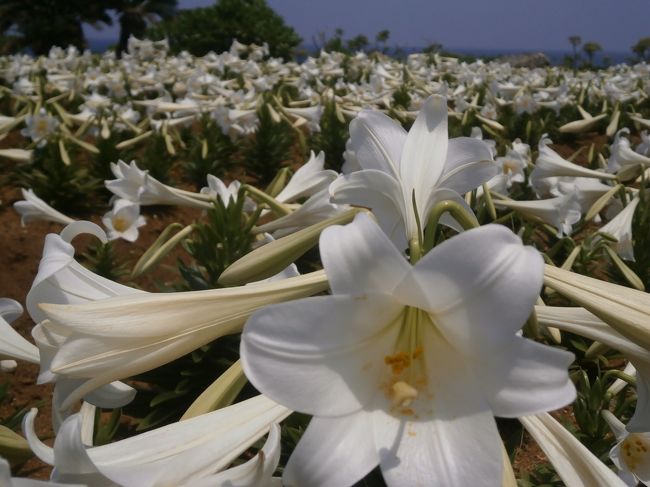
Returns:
(561, 212)
(33, 208)
(12, 344)
(405, 366)
(403, 175)
(182, 454)
(623, 158)
(123, 220)
(308, 180)
(620, 227)
(139, 186)
(631, 453)
(6, 480)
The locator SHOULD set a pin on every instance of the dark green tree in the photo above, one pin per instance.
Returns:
(575, 42)
(214, 28)
(590, 48)
(40, 24)
(136, 15)
(642, 49)
(358, 43)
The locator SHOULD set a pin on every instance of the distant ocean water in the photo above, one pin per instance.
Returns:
(556, 57)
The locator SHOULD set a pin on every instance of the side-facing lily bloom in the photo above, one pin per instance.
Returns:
(405, 366)
(12, 344)
(631, 454)
(403, 175)
(33, 208)
(118, 337)
(182, 454)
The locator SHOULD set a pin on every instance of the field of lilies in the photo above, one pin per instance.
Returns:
(235, 270)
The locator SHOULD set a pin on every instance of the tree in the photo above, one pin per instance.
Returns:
(214, 28)
(575, 42)
(642, 49)
(590, 48)
(382, 38)
(40, 24)
(136, 15)
(358, 43)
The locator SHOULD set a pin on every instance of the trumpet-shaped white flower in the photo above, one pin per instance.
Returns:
(620, 227)
(310, 179)
(631, 454)
(404, 175)
(561, 212)
(115, 338)
(138, 186)
(123, 220)
(550, 164)
(573, 462)
(12, 344)
(406, 366)
(184, 454)
(623, 157)
(33, 208)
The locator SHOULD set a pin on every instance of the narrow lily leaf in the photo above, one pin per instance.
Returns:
(13, 446)
(222, 392)
(630, 276)
(151, 259)
(602, 202)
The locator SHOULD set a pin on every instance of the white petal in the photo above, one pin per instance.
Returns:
(382, 194)
(469, 164)
(525, 378)
(333, 452)
(377, 141)
(425, 150)
(322, 356)
(350, 252)
(309, 179)
(452, 439)
(12, 343)
(479, 286)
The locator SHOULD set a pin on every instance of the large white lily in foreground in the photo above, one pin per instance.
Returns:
(405, 366)
(402, 176)
(189, 453)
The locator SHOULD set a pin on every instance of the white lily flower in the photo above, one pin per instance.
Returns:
(12, 344)
(33, 208)
(405, 366)
(180, 454)
(39, 127)
(404, 175)
(561, 212)
(573, 462)
(550, 164)
(631, 454)
(115, 338)
(310, 179)
(216, 188)
(620, 227)
(123, 220)
(623, 157)
(136, 185)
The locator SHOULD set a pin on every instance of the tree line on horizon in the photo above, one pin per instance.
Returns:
(37, 25)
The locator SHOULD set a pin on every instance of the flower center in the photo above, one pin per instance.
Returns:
(407, 377)
(635, 451)
(120, 224)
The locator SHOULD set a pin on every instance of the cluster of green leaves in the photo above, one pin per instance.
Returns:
(210, 151)
(332, 136)
(213, 28)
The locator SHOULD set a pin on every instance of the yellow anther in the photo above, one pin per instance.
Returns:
(635, 448)
(403, 394)
(120, 224)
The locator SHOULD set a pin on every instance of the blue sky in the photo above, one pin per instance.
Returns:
(499, 24)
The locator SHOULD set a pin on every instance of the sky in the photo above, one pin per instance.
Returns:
(526, 25)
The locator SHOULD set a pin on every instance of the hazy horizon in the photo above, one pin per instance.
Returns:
(516, 25)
